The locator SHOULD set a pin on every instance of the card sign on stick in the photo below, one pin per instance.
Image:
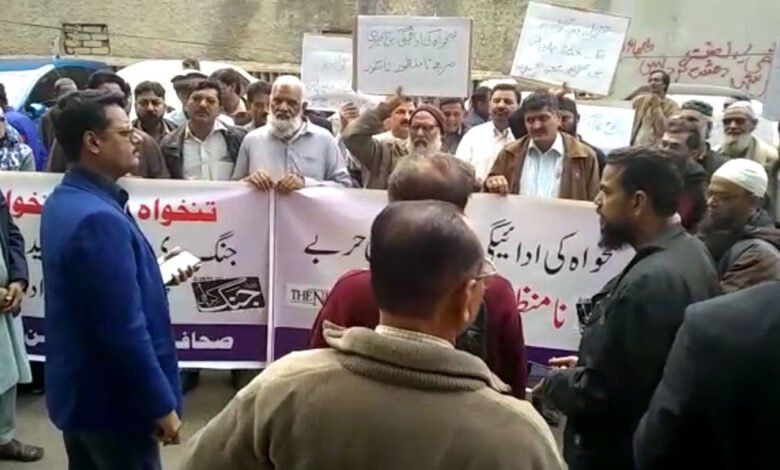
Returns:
(580, 48)
(772, 98)
(426, 56)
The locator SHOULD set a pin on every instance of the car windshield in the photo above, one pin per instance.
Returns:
(17, 83)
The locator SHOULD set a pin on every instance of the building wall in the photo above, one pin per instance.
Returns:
(693, 39)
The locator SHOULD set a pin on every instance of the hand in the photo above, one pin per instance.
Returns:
(497, 184)
(168, 429)
(560, 92)
(261, 179)
(567, 362)
(12, 298)
(183, 275)
(289, 183)
(396, 100)
(348, 112)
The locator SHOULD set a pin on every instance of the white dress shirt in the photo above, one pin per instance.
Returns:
(542, 170)
(207, 159)
(481, 145)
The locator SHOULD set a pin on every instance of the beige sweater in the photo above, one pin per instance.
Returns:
(375, 402)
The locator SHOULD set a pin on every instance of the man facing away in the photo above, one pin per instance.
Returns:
(496, 336)
(716, 406)
(482, 143)
(739, 234)
(630, 325)
(399, 396)
(26, 127)
(112, 383)
(46, 127)
(289, 152)
(652, 109)
(547, 163)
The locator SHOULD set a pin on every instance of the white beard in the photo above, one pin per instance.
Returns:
(736, 145)
(426, 151)
(284, 128)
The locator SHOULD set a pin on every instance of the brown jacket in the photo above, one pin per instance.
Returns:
(151, 161)
(377, 158)
(375, 402)
(654, 117)
(580, 175)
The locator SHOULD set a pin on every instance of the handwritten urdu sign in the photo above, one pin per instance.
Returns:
(426, 56)
(772, 98)
(606, 125)
(578, 47)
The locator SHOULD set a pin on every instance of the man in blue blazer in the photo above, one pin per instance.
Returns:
(112, 383)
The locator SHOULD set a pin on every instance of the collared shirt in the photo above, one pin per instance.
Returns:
(179, 118)
(311, 153)
(473, 120)
(542, 170)
(207, 159)
(167, 126)
(111, 188)
(481, 145)
(450, 142)
(414, 336)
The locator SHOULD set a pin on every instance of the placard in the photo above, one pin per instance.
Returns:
(426, 56)
(772, 97)
(563, 45)
(606, 125)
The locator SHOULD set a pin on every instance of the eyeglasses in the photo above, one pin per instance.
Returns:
(127, 133)
(488, 269)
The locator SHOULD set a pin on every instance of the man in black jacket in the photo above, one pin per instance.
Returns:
(632, 323)
(716, 406)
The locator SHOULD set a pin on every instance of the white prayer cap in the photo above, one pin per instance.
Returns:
(746, 174)
(742, 106)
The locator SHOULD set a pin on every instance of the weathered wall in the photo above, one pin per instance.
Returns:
(702, 41)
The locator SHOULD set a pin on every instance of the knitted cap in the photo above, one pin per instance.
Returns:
(433, 111)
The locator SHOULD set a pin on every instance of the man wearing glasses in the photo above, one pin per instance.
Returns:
(739, 122)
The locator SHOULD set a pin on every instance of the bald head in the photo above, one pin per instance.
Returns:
(440, 177)
(413, 269)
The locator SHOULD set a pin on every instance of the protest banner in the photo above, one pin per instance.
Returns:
(606, 125)
(219, 317)
(322, 233)
(772, 97)
(426, 56)
(326, 72)
(564, 45)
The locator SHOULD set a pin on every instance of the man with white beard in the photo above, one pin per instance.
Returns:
(289, 153)
(739, 122)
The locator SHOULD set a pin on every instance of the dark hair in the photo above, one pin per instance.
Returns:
(517, 123)
(568, 104)
(147, 86)
(207, 84)
(78, 112)
(411, 257)
(699, 106)
(440, 176)
(680, 126)
(190, 63)
(260, 87)
(506, 87)
(664, 77)
(446, 101)
(653, 171)
(229, 77)
(539, 100)
(480, 95)
(102, 77)
(3, 96)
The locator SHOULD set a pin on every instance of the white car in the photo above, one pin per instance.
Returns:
(162, 71)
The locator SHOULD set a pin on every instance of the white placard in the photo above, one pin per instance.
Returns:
(772, 97)
(326, 72)
(606, 125)
(427, 56)
(577, 47)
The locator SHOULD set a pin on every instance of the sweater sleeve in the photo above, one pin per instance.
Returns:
(501, 303)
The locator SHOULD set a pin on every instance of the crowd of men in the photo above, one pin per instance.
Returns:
(419, 361)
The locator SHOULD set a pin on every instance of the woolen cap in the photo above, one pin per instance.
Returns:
(433, 111)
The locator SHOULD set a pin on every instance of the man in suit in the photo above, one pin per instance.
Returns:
(14, 368)
(112, 383)
(716, 405)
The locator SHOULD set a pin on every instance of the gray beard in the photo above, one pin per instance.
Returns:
(426, 151)
(736, 146)
(284, 128)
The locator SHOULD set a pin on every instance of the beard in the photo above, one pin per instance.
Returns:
(424, 150)
(734, 145)
(284, 128)
(614, 236)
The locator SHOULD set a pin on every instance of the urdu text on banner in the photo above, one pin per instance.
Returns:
(564, 45)
(220, 316)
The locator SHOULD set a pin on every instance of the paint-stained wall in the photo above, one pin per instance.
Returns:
(700, 41)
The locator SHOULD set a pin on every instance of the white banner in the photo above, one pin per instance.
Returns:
(546, 248)
(564, 45)
(772, 97)
(606, 125)
(220, 317)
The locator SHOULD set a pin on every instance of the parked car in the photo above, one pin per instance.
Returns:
(29, 83)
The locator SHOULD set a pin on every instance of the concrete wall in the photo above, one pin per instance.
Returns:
(701, 41)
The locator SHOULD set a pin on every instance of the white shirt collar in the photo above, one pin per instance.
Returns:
(497, 133)
(557, 145)
(218, 126)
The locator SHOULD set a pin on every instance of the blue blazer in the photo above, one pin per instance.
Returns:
(110, 353)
